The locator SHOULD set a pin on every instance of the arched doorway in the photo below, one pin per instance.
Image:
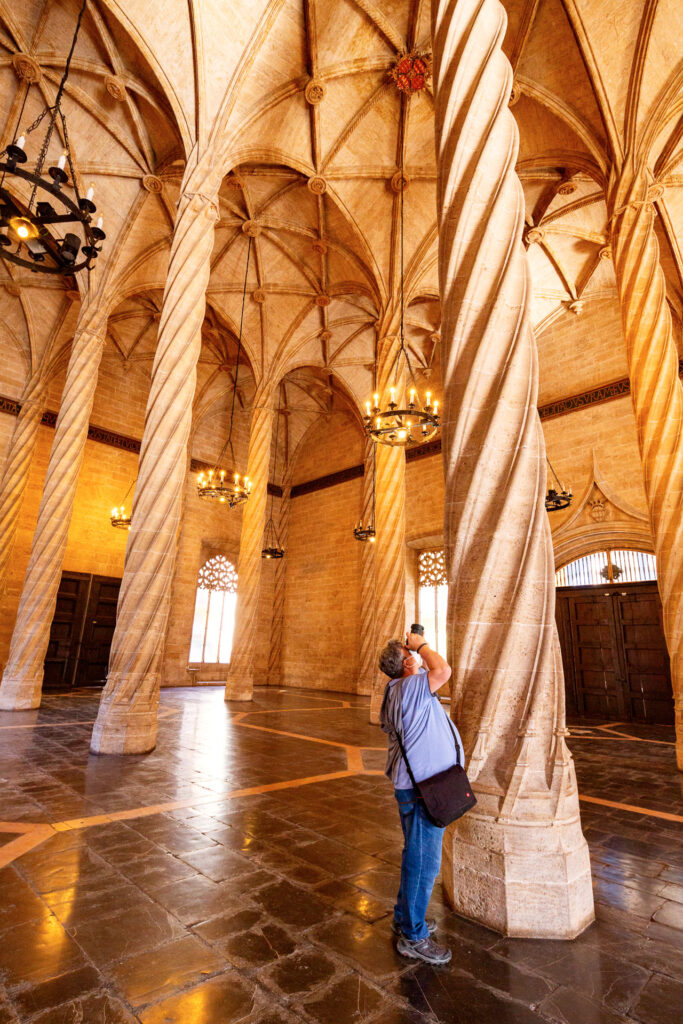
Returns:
(609, 618)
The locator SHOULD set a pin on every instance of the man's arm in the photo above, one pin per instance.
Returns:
(438, 669)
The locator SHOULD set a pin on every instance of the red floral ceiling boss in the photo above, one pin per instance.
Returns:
(412, 71)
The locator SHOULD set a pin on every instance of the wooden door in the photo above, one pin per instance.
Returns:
(98, 631)
(615, 659)
(646, 666)
(81, 631)
(65, 632)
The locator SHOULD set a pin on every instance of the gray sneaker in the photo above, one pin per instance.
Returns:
(430, 922)
(423, 949)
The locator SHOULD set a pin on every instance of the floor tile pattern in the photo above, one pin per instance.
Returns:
(245, 872)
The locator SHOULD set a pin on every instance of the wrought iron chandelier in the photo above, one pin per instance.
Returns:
(368, 533)
(557, 499)
(272, 548)
(216, 484)
(405, 421)
(119, 517)
(25, 237)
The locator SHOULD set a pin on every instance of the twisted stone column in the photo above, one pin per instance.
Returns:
(275, 652)
(240, 681)
(390, 559)
(17, 467)
(127, 717)
(22, 679)
(657, 397)
(367, 652)
(518, 862)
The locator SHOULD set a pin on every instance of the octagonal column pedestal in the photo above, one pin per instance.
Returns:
(390, 559)
(240, 682)
(18, 465)
(657, 396)
(518, 862)
(127, 717)
(367, 644)
(22, 680)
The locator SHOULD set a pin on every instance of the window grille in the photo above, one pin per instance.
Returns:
(433, 596)
(214, 612)
(431, 568)
(609, 566)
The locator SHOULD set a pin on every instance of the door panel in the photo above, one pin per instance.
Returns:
(646, 661)
(98, 631)
(62, 648)
(81, 631)
(614, 653)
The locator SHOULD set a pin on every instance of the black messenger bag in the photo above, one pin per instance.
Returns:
(447, 795)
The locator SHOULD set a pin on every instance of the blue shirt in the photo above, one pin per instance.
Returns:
(427, 735)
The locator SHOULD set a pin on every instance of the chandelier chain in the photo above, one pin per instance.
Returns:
(228, 443)
(56, 109)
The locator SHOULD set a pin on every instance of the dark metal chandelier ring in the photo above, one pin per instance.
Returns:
(394, 426)
(81, 213)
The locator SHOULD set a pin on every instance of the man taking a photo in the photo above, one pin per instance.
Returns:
(412, 709)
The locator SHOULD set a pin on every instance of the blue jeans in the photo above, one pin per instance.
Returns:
(420, 864)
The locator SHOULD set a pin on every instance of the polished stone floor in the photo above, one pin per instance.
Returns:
(245, 871)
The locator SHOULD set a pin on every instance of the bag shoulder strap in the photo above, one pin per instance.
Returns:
(403, 749)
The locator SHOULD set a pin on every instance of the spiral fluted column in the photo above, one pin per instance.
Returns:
(657, 396)
(390, 559)
(518, 862)
(17, 466)
(275, 651)
(22, 679)
(367, 646)
(240, 682)
(127, 717)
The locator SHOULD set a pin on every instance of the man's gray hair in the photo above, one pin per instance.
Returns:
(391, 659)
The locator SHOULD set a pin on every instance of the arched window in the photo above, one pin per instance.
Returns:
(433, 596)
(214, 612)
(609, 566)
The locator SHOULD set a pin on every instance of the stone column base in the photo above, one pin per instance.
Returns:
(522, 880)
(239, 689)
(124, 729)
(20, 695)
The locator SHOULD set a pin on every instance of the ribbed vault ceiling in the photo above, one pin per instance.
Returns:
(311, 177)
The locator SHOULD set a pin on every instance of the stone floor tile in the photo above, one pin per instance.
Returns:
(348, 1001)
(223, 1000)
(37, 952)
(670, 914)
(127, 933)
(660, 1002)
(157, 973)
(227, 924)
(567, 1006)
(33, 998)
(369, 949)
(291, 904)
(455, 999)
(302, 971)
(258, 946)
(96, 1008)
